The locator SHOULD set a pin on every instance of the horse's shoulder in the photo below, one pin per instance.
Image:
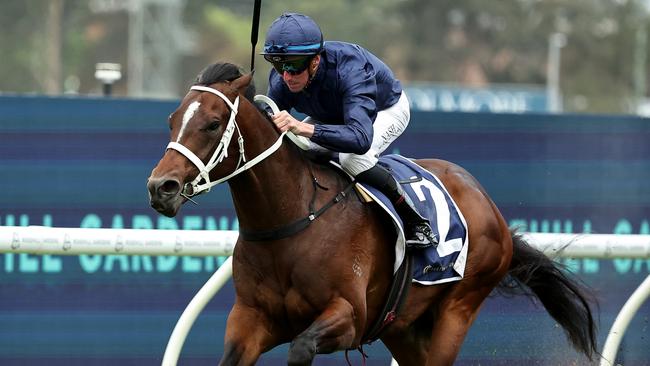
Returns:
(336, 174)
(323, 163)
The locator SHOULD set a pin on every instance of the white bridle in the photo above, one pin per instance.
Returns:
(221, 152)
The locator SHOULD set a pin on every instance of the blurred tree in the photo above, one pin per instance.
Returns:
(489, 41)
(22, 45)
(470, 42)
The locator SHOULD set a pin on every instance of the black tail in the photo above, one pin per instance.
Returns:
(565, 298)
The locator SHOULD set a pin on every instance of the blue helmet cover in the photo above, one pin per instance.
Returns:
(293, 34)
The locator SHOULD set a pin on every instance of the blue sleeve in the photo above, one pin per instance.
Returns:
(359, 90)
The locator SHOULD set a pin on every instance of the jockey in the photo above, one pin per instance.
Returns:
(354, 103)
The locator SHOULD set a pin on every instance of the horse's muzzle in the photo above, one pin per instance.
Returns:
(164, 195)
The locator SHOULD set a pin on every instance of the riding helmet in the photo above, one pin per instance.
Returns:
(293, 34)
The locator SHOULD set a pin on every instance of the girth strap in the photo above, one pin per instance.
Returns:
(396, 296)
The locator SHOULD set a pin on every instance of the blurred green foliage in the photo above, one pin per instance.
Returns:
(468, 42)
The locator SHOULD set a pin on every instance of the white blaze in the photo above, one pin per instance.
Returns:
(189, 113)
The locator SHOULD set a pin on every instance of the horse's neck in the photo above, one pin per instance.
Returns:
(276, 191)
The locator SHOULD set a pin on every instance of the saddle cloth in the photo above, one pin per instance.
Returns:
(434, 265)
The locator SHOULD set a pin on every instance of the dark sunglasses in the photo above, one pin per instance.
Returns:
(292, 65)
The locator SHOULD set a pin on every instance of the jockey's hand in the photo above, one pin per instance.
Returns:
(285, 122)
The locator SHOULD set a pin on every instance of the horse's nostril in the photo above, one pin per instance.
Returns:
(169, 187)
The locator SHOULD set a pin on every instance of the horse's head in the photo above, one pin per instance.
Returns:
(200, 151)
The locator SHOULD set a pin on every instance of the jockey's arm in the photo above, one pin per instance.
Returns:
(359, 113)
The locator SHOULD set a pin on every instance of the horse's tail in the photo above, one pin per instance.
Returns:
(566, 299)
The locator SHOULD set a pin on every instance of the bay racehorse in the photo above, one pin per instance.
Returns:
(321, 283)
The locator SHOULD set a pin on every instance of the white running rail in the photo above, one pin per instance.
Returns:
(192, 311)
(75, 241)
(623, 319)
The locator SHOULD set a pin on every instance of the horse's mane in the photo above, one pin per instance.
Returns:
(223, 71)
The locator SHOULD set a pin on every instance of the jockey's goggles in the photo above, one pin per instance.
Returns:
(294, 65)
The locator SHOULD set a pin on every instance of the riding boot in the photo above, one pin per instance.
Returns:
(416, 228)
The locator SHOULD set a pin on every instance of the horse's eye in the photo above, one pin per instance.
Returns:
(213, 126)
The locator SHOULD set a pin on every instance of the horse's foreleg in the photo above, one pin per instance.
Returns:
(333, 330)
(248, 334)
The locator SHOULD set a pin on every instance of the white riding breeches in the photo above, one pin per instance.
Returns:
(389, 124)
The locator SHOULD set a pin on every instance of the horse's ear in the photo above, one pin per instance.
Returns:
(242, 82)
